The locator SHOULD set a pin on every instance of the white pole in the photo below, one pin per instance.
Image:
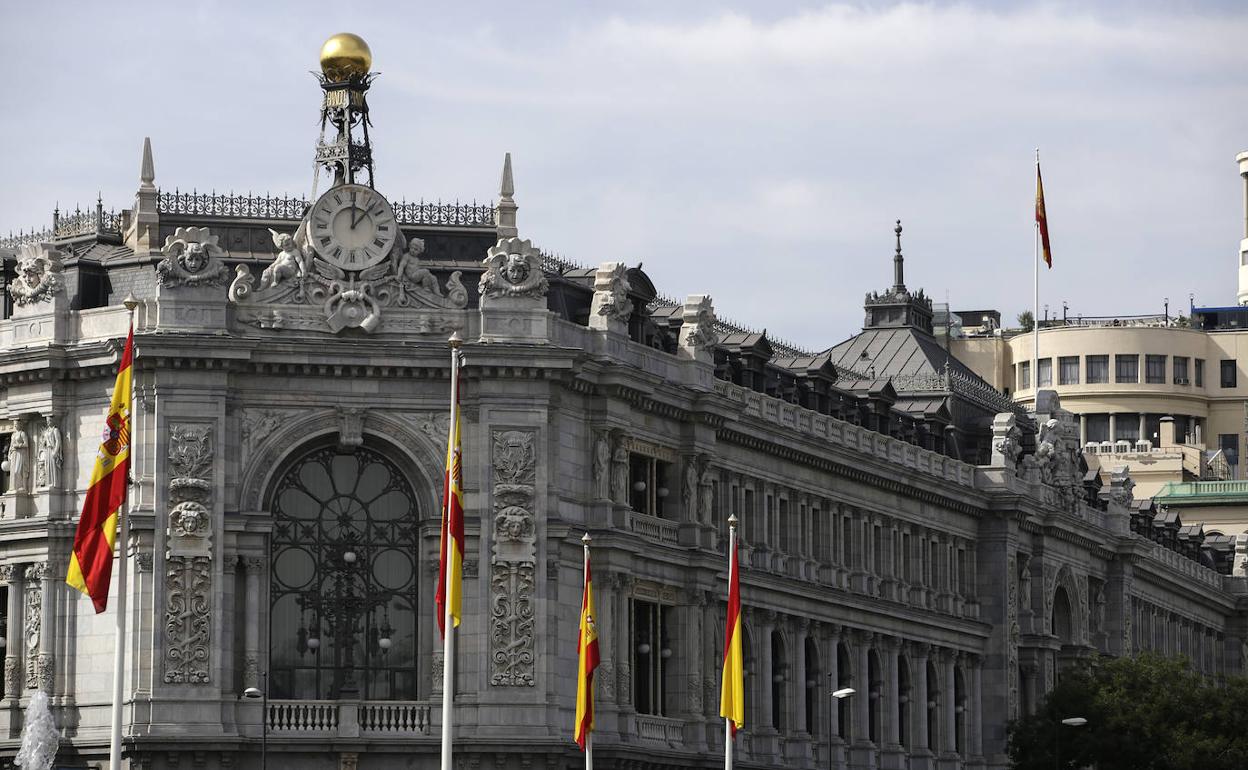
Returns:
(589, 750)
(448, 647)
(123, 539)
(727, 744)
(1035, 311)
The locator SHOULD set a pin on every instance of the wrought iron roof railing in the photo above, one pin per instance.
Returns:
(93, 221)
(725, 326)
(420, 212)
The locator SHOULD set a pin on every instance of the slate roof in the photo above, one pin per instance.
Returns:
(895, 351)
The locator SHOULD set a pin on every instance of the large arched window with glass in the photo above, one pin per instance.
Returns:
(344, 582)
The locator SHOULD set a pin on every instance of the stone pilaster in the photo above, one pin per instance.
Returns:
(920, 752)
(253, 569)
(11, 576)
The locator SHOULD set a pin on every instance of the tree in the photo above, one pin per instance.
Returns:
(1026, 320)
(1144, 713)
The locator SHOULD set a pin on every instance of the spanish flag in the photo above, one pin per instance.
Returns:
(732, 681)
(91, 562)
(587, 660)
(1042, 220)
(451, 557)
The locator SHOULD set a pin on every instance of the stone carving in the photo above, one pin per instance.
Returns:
(19, 444)
(689, 487)
(514, 559)
(1011, 642)
(49, 458)
(695, 693)
(1024, 579)
(188, 556)
(1050, 589)
(513, 268)
(350, 427)
(33, 622)
(1007, 446)
(39, 275)
(619, 472)
(255, 425)
(1121, 487)
(188, 618)
(625, 680)
(602, 465)
(697, 332)
(1057, 451)
(611, 288)
(705, 490)
(604, 680)
(192, 258)
(143, 561)
(304, 292)
(12, 674)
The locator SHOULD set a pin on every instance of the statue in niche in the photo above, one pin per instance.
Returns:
(48, 464)
(18, 444)
(411, 272)
(288, 264)
(689, 488)
(602, 465)
(619, 475)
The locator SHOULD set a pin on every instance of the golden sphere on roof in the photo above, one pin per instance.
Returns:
(345, 55)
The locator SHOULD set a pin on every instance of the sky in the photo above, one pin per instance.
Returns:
(756, 152)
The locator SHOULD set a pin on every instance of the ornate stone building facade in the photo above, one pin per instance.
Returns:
(290, 428)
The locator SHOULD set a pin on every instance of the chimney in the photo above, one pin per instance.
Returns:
(1166, 436)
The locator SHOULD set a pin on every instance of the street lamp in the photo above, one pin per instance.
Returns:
(839, 695)
(1069, 722)
(251, 693)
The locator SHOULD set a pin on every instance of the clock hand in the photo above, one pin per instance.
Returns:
(354, 219)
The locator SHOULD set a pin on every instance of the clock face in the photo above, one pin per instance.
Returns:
(352, 226)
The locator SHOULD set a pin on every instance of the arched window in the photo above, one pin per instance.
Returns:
(959, 709)
(1063, 627)
(875, 697)
(812, 688)
(779, 673)
(344, 582)
(903, 700)
(844, 679)
(933, 708)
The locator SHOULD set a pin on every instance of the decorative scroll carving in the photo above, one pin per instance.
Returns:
(188, 557)
(39, 275)
(604, 680)
(514, 559)
(192, 258)
(188, 618)
(33, 625)
(513, 268)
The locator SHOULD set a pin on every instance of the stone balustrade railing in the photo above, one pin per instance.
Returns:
(653, 527)
(665, 730)
(300, 716)
(348, 718)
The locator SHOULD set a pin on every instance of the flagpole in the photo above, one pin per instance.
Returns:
(589, 734)
(1035, 311)
(732, 549)
(448, 647)
(119, 644)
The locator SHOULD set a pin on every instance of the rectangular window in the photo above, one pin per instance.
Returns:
(1154, 369)
(751, 522)
(1098, 427)
(1200, 373)
(647, 476)
(1229, 444)
(1098, 369)
(1044, 370)
(1126, 368)
(1180, 370)
(1127, 428)
(1228, 373)
(652, 648)
(1068, 370)
(1024, 375)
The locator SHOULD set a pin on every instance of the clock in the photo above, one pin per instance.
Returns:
(352, 226)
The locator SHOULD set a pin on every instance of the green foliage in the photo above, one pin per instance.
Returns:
(1026, 320)
(1144, 713)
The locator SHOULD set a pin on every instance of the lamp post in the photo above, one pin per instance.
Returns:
(1069, 722)
(263, 694)
(837, 695)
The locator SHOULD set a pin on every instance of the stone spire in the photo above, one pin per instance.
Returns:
(505, 214)
(147, 171)
(899, 282)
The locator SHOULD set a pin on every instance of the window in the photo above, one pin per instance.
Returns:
(344, 578)
(1126, 368)
(1180, 370)
(1044, 370)
(652, 651)
(1200, 373)
(1228, 373)
(1127, 428)
(1068, 370)
(1229, 444)
(1098, 427)
(648, 477)
(1154, 369)
(1024, 375)
(1098, 369)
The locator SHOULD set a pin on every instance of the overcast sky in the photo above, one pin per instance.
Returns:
(758, 152)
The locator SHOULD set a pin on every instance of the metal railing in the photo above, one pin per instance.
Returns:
(93, 221)
(286, 208)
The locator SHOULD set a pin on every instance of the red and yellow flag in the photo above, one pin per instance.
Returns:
(91, 562)
(1042, 219)
(451, 557)
(732, 680)
(587, 660)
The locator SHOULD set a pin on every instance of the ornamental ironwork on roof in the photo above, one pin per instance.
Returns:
(93, 221)
(287, 208)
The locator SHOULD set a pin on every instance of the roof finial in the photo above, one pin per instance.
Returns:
(508, 186)
(505, 212)
(147, 172)
(899, 282)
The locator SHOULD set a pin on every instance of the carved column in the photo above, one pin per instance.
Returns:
(890, 698)
(253, 616)
(833, 729)
(949, 702)
(919, 711)
(11, 575)
(862, 683)
(53, 577)
(974, 722)
(33, 622)
(765, 743)
(188, 557)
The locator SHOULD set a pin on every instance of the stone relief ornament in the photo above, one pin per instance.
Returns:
(304, 292)
(1011, 642)
(697, 332)
(1007, 447)
(514, 559)
(32, 630)
(39, 275)
(513, 268)
(188, 556)
(192, 258)
(611, 289)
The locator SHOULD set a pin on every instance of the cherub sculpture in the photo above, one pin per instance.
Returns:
(38, 275)
(287, 265)
(411, 272)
